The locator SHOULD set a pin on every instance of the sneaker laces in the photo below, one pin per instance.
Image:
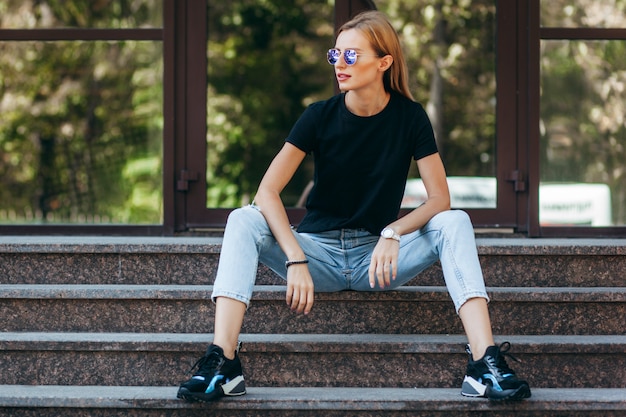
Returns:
(210, 361)
(502, 351)
(207, 364)
(500, 360)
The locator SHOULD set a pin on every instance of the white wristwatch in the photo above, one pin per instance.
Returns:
(389, 233)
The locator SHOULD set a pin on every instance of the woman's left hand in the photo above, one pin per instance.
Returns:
(384, 263)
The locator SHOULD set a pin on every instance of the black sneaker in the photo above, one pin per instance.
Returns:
(492, 378)
(216, 377)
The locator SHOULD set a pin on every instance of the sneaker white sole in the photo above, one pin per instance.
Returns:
(472, 388)
(234, 387)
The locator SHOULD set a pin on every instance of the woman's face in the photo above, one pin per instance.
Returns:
(368, 69)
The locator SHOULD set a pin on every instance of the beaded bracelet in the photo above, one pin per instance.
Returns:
(289, 263)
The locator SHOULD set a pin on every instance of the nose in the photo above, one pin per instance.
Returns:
(341, 62)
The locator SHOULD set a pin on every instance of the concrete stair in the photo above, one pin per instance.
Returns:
(104, 326)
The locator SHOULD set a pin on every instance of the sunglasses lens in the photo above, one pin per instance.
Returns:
(350, 56)
(333, 56)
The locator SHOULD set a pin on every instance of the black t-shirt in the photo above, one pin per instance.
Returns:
(361, 163)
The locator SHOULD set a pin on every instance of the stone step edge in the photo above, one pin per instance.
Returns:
(305, 343)
(276, 292)
(212, 245)
(348, 399)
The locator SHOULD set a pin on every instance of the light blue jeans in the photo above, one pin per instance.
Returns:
(339, 259)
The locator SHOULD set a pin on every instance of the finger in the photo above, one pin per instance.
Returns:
(289, 295)
(391, 271)
(372, 274)
(302, 304)
(380, 274)
(309, 303)
(387, 273)
(295, 300)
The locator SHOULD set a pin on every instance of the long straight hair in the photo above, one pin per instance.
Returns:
(377, 29)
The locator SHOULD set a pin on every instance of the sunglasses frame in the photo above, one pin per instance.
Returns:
(350, 56)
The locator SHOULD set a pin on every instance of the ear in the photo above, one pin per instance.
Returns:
(385, 63)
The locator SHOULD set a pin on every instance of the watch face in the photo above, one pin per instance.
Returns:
(387, 233)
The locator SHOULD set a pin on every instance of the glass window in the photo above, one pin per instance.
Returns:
(81, 132)
(450, 52)
(583, 133)
(583, 13)
(266, 63)
(114, 14)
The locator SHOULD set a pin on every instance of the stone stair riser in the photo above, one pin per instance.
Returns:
(200, 269)
(314, 368)
(431, 315)
(559, 300)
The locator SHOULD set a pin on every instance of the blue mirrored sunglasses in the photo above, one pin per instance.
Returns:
(349, 56)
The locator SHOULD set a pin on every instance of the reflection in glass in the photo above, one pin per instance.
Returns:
(450, 52)
(113, 14)
(583, 13)
(583, 133)
(267, 63)
(81, 132)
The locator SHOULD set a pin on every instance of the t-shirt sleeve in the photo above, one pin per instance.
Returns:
(304, 132)
(425, 143)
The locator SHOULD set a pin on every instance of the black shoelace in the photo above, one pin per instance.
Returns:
(207, 364)
(500, 360)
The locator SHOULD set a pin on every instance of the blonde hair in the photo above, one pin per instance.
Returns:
(377, 29)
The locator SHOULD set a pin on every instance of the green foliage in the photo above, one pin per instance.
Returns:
(265, 64)
(450, 51)
(20, 14)
(81, 122)
(144, 199)
(582, 116)
(79, 118)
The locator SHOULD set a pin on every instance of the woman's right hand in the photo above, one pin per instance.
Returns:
(300, 289)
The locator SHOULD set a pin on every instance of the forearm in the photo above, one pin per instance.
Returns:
(419, 216)
(273, 210)
(434, 177)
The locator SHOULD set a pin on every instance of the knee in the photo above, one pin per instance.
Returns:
(454, 216)
(247, 218)
(454, 220)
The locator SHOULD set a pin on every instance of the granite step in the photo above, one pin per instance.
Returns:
(515, 262)
(300, 360)
(424, 310)
(149, 401)
(104, 326)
